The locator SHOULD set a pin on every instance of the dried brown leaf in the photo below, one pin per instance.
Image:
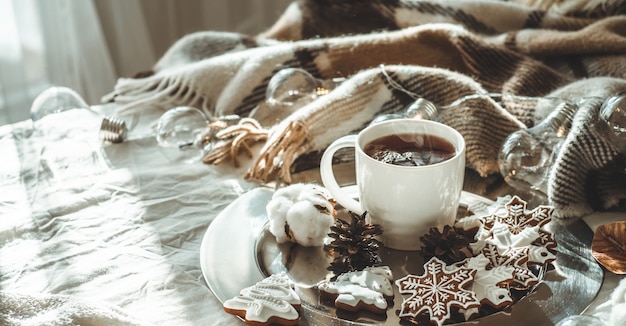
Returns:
(609, 246)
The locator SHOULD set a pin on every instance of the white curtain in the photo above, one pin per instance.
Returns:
(59, 43)
(21, 62)
(87, 44)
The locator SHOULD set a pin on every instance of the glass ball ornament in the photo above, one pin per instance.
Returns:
(56, 100)
(527, 155)
(612, 120)
(290, 88)
(69, 147)
(287, 91)
(180, 131)
(47, 106)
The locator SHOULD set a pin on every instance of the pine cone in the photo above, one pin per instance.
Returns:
(449, 245)
(354, 245)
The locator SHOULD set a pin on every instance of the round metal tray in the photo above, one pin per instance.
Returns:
(237, 251)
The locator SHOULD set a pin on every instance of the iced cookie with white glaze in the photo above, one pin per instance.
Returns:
(369, 289)
(437, 291)
(278, 286)
(261, 309)
(271, 301)
(377, 278)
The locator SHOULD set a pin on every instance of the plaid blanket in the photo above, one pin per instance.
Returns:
(487, 64)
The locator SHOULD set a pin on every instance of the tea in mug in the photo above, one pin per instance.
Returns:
(410, 149)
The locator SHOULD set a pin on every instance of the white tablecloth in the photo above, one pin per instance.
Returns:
(121, 226)
(110, 235)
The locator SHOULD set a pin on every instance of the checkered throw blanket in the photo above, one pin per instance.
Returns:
(487, 64)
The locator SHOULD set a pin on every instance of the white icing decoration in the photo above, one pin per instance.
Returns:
(502, 236)
(275, 291)
(278, 286)
(486, 282)
(351, 294)
(373, 278)
(469, 222)
(261, 307)
(381, 270)
(540, 255)
(370, 286)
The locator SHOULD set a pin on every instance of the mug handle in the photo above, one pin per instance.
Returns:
(328, 176)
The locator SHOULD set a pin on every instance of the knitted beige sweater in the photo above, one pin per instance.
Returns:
(486, 64)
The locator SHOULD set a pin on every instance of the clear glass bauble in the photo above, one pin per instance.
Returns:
(179, 133)
(56, 100)
(47, 106)
(524, 161)
(49, 123)
(612, 120)
(527, 155)
(67, 130)
(290, 88)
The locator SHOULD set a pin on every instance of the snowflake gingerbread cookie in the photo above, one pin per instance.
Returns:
(515, 257)
(435, 292)
(518, 219)
(490, 285)
(507, 248)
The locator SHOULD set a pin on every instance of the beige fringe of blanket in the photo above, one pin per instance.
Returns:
(456, 54)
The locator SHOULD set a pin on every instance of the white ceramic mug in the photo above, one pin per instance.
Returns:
(405, 200)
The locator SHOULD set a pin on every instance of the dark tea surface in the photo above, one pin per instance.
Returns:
(410, 149)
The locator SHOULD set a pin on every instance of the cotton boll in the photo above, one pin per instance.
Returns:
(291, 192)
(301, 213)
(320, 198)
(277, 210)
(309, 226)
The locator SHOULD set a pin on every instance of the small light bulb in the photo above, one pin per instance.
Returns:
(55, 100)
(47, 106)
(290, 88)
(527, 155)
(612, 120)
(181, 129)
(422, 109)
(418, 109)
(65, 123)
(287, 91)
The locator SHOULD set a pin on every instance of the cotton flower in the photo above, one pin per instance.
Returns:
(301, 213)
